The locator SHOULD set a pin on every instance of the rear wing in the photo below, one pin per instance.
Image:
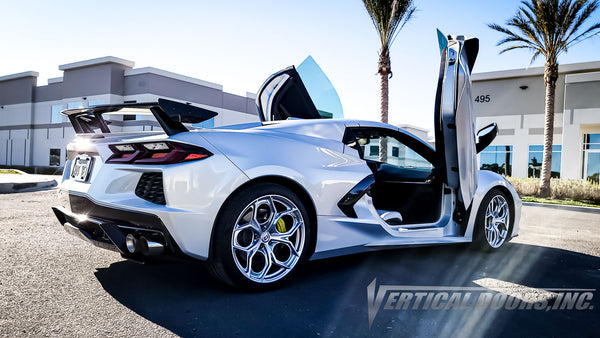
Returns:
(170, 115)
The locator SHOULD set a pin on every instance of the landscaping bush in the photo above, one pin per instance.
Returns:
(562, 189)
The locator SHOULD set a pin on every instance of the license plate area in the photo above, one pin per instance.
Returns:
(82, 166)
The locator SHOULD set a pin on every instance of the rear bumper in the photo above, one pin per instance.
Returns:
(108, 228)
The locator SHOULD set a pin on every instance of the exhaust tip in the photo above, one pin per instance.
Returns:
(150, 248)
(131, 243)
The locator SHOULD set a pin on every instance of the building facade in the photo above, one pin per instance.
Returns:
(514, 99)
(33, 133)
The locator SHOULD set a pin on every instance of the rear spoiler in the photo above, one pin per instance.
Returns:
(170, 115)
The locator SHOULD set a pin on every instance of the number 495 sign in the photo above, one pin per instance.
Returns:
(482, 98)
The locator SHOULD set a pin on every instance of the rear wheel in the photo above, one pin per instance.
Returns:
(493, 223)
(261, 237)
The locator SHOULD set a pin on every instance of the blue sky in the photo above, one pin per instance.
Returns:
(239, 43)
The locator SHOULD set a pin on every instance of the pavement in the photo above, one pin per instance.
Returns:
(54, 284)
(24, 182)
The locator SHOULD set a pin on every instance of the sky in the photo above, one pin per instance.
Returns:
(238, 44)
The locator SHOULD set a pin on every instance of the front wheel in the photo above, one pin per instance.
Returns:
(493, 223)
(261, 237)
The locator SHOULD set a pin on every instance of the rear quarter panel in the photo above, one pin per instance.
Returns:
(317, 164)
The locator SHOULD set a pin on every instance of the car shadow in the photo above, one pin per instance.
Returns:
(329, 297)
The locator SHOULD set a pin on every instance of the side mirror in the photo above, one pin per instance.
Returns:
(485, 136)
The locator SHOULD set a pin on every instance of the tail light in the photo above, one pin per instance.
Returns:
(156, 153)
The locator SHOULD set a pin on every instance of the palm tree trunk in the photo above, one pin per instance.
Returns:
(550, 77)
(384, 71)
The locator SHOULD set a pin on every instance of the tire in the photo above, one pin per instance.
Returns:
(493, 224)
(261, 237)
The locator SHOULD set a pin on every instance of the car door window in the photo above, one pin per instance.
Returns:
(398, 154)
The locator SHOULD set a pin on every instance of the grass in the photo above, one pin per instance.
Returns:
(563, 191)
(563, 202)
(9, 171)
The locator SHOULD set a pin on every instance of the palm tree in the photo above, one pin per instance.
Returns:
(388, 16)
(548, 28)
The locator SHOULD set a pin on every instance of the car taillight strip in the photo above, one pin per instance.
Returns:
(156, 153)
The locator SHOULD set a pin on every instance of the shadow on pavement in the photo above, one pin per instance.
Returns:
(329, 297)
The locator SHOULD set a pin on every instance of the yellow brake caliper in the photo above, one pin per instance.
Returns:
(281, 225)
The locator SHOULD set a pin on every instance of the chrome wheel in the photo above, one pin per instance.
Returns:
(268, 238)
(497, 218)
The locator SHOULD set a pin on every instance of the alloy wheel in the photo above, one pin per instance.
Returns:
(268, 238)
(497, 218)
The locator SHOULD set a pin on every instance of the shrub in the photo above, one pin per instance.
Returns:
(563, 189)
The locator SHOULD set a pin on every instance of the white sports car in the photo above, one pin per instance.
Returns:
(255, 201)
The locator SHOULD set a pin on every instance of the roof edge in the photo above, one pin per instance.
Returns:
(536, 71)
(19, 75)
(97, 61)
(156, 71)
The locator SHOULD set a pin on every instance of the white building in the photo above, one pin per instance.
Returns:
(33, 133)
(514, 99)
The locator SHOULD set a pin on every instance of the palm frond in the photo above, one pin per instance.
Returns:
(548, 27)
(389, 17)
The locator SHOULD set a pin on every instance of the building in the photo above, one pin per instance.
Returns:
(34, 135)
(514, 99)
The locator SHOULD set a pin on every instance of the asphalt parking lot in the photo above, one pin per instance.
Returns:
(53, 284)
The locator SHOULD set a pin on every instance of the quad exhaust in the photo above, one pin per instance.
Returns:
(142, 246)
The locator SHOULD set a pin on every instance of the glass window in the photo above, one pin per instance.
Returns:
(54, 157)
(95, 103)
(591, 141)
(591, 165)
(56, 117)
(401, 155)
(129, 117)
(74, 105)
(206, 124)
(374, 151)
(497, 159)
(536, 156)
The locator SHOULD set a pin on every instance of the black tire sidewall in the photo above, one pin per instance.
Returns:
(231, 210)
(479, 240)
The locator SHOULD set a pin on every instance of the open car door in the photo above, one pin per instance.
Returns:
(454, 120)
(302, 93)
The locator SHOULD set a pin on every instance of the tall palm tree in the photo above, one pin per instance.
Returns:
(548, 28)
(388, 16)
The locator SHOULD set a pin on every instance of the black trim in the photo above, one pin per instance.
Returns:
(170, 115)
(437, 117)
(346, 204)
(150, 188)
(291, 100)
(110, 225)
(471, 46)
(484, 140)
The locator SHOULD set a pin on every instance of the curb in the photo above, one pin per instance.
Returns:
(589, 210)
(7, 188)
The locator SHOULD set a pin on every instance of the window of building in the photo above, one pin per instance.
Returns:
(95, 102)
(129, 117)
(54, 157)
(56, 117)
(591, 156)
(497, 159)
(536, 156)
(74, 105)
(374, 151)
(395, 151)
